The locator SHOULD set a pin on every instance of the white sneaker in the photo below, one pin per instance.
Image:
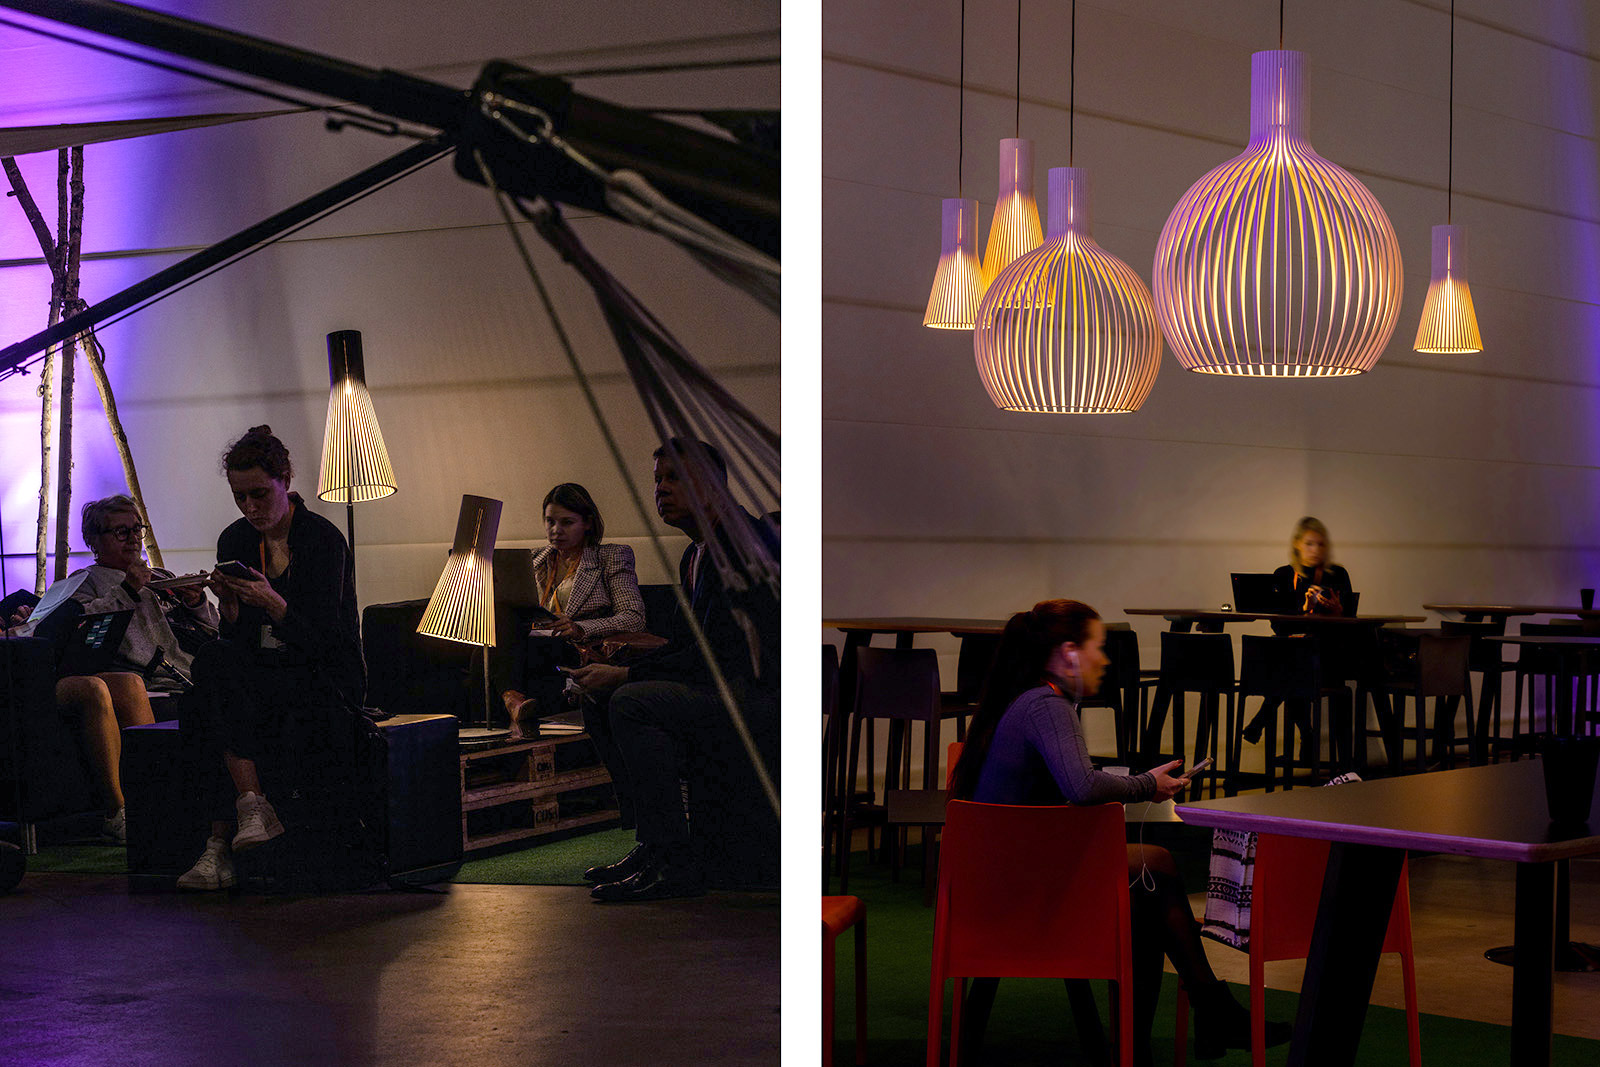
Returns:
(115, 827)
(213, 870)
(258, 823)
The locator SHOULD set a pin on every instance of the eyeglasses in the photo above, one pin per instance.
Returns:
(127, 533)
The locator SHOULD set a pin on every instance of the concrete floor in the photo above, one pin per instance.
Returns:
(479, 974)
(1459, 908)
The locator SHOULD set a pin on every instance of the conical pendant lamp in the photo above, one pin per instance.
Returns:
(1278, 262)
(1067, 328)
(1449, 323)
(958, 281)
(1014, 230)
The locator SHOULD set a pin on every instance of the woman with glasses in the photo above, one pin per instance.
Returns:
(151, 658)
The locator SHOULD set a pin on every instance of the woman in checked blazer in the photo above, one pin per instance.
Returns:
(589, 587)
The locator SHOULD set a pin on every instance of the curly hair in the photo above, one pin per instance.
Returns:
(259, 448)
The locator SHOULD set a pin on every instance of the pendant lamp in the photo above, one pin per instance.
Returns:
(1068, 328)
(1449, 323)
(958, 281)
(1278, 262)
(1014, 230)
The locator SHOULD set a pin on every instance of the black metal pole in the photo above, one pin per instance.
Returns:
(261, 233)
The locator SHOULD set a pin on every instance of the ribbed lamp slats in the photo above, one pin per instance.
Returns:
(958, 282)
(1014, 230)
(355, 463)
(462, 606)
(1449, 323)
(1278, 262)
(1068, 328)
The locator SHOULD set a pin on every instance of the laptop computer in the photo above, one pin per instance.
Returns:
(1253, 593)
(514, 583)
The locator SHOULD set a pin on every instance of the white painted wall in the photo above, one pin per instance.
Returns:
(471, 391)
(1471, 477)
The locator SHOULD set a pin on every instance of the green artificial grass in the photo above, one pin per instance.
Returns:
(80, 859)
(1032, 1020)
(555, 863)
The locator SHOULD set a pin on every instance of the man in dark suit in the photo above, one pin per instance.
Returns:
(668, 704)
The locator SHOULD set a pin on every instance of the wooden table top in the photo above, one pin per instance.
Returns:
(1216, 615)
(916, 625)
(1513, 609)
(1495, 812)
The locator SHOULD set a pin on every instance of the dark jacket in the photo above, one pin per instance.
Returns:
(1289, 587)
(750, 664)
(321, 627)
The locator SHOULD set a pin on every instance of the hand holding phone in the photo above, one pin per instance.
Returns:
(234, 569)
(1197, 768)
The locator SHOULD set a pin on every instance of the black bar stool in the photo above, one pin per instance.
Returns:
(1201, 664)
(1285, 670)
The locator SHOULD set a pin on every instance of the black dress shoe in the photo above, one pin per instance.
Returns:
(627, 866)
(656, 882)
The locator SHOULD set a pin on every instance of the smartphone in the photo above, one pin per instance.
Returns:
(1197, 768)
(234, 569)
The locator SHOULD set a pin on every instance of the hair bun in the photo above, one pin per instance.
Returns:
(262, 429)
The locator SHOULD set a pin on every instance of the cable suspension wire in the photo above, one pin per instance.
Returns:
(405, 163)
(547, 218)
(961, 103)
(1072, 82)
(348, 115)
(1450, 152)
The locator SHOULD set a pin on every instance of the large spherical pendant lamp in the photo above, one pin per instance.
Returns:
(1278, 263)
(1014, 230)
(1067, 328)
(1449, 324)
(958, 281)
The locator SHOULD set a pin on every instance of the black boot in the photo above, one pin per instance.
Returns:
(629, 865)
(1220, 1023)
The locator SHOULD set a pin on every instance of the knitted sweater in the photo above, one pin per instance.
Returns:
(1039, 756)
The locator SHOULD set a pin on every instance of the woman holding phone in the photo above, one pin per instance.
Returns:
(1026, 746)
(289, 659)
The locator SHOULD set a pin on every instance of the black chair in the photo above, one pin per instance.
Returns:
(832, 763)
(973, 661)
(1201, 664)
(1125, 690)
(1420, 664)
(1550, 666)
(900, 685)
(1284, 670)
(1486, 658)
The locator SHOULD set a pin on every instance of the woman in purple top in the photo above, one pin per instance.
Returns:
(1026, 746)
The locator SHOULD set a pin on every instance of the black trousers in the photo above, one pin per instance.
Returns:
(667, 733)
(264, 706)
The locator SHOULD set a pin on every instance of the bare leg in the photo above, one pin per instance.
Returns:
(243, 773)
(129, 698)
(90, 700)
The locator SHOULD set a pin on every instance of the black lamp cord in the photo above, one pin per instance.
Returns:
(1280, 25)
(1018, 128)
(1072, 81)
(1450, 153)
(961, 102)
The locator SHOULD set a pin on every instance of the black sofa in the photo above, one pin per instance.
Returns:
(411, 674)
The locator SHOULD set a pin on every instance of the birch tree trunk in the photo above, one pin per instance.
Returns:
(69, 352)
(47, 245)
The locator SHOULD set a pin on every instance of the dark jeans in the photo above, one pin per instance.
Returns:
(262, 706)
(667, 733)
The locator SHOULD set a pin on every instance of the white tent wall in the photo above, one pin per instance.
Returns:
(1471, 477)
(472, 392)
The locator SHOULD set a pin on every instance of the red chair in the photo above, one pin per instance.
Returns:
(838, 915)
(1284, 897)
(994, 919)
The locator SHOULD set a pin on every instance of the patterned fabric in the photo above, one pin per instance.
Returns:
(604, 597)
(1232, 882)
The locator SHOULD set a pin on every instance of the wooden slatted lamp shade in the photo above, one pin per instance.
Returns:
(1278, 262)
